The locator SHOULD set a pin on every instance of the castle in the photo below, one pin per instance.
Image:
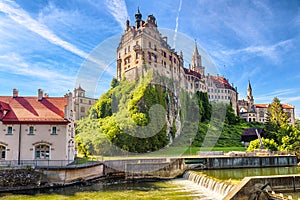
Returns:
(142, 47)
(252, 112)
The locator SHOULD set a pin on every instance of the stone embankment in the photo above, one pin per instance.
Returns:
(19, 179)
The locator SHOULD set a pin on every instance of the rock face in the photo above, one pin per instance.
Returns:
(19, 178)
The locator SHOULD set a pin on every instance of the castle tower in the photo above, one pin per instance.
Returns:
(250, 98)
(197, 61)
(249, 93)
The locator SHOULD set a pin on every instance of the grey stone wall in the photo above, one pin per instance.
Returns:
(19, 178)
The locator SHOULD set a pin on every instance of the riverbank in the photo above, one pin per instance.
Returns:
(142, 168)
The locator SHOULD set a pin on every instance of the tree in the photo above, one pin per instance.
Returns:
(276, 119)
(269, 144)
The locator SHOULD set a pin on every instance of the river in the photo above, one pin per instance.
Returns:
(179, 188)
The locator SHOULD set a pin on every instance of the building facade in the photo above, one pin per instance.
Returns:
(252, 112)
(219, 90)
(142, 47)
(37, 129)
(81, 103)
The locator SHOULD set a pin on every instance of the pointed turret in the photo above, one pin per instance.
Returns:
(197, 61)
(249, 93)
(138, 18)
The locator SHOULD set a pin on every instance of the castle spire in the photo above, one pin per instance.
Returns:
(249, 92)
(138, 18)
(197, 60)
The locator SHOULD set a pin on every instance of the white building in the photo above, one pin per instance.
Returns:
(37, 130)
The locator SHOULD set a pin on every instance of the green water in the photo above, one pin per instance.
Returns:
(138, 190)
(239, 174)
(172, 189)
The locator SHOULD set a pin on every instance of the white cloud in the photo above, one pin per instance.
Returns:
(15, 64)
(272, 51)
(118, 9)
(20, 16)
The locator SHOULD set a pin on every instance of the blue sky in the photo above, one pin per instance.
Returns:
(47, 44)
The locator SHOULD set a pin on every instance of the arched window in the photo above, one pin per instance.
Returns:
(42, 151)
(2, 152)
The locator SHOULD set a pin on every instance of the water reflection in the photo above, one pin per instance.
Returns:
(239, 174)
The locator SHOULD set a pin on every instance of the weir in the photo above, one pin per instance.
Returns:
(220, 189)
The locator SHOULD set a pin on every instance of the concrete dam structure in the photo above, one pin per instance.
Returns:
(225, 162)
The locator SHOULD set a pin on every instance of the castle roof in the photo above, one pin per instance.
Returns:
(192, 72)
(221, 82)
(31, 110)
(285, 106)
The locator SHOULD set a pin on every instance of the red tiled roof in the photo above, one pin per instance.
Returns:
(221, 82)
(285, 106)
(261, 105)
(29, 109)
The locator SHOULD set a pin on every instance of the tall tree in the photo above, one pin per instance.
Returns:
(276, 120)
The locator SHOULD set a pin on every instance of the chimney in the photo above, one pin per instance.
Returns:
(40, 94)
(15, 93)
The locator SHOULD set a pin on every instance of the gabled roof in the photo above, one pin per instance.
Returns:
(30, 110)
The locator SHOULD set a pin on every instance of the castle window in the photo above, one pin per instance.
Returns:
(82, 109)
(119, 55)
(125, 51)
(174, 60)
(149, 56)
(149, 44)
(209, 96)
(165, 55)
(137, 55)
(90, 102)
(155, 48)
(170, 58)
(155, 58)
(128, 48)
(261, 114)
(165, 64)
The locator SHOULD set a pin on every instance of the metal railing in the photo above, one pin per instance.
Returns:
(47, 163)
